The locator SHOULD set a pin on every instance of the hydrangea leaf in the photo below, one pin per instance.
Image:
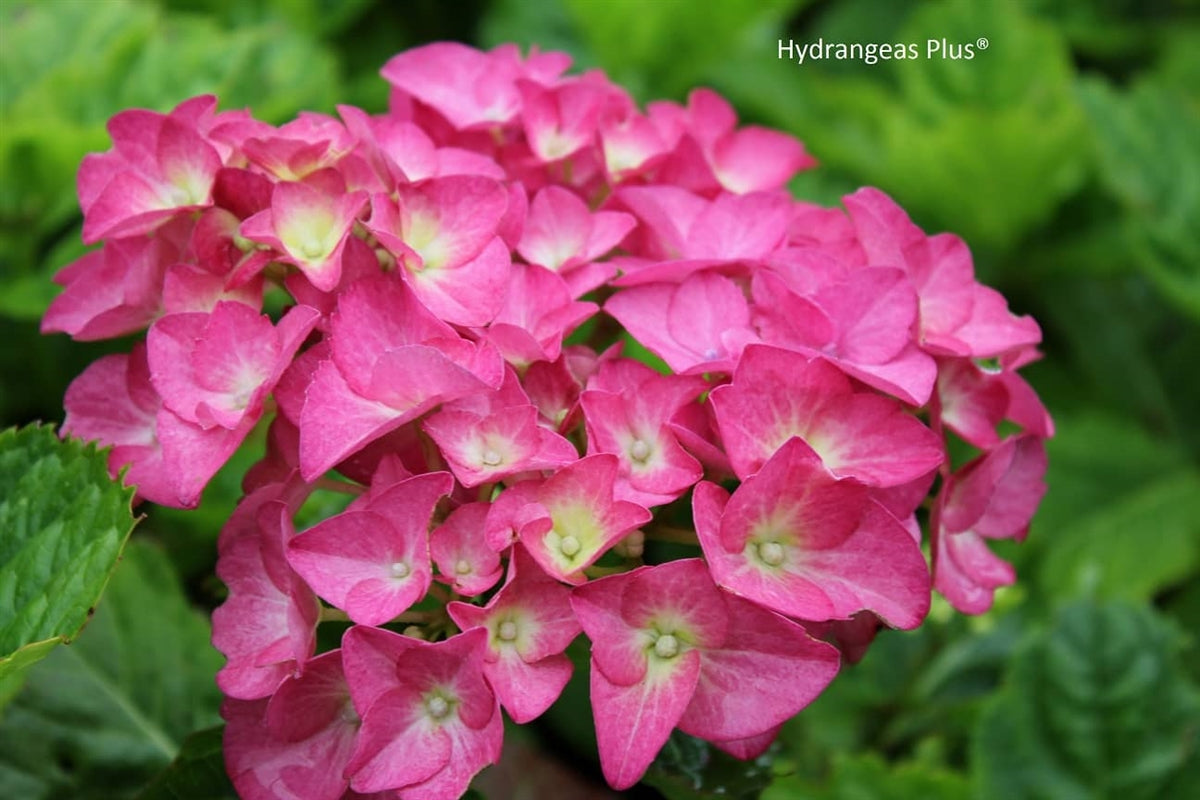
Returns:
(1121, 520)
(63, 523)
(636, 57)
(198, 771)
(1133, 546)
(867, 775)
(99, 718)
(688, 768)
(1148, 162)
(922, 137)
(1096, 707)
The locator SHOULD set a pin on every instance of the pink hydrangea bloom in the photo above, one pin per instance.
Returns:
(409, 303)
(670, 648)
(430, 720)
(806, 544)
(529, 624)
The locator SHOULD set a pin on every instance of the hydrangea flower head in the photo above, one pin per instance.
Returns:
(535, 332)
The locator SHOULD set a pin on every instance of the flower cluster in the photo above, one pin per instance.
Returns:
(412, 301)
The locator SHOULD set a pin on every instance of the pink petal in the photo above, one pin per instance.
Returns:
(765, 672)
(633, 722)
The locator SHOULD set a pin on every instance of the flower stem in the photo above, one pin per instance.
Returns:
(329, 614)
(334, 485)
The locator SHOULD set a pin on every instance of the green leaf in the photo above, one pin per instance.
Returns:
(63, 523)
(1133, 546)
(986, 147)
(1096, 707)
(688, 768)
(1149, 162)
(869, 777)
(197, 772)
(99, 718)
(1094, 459)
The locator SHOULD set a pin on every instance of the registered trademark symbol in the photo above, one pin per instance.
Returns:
(982, 43)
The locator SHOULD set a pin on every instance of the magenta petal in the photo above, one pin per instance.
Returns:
(633, 722)
(394, 747)
(750, 747)
(527, 689)
(681, 592)
(967, 572)
(336, 421)
(617, 649)
(766, 671)
(995, 496)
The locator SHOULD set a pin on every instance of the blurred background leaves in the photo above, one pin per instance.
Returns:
(1067, 154)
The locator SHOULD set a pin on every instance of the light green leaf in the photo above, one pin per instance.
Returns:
(1095, 458)
(1133, 546)
(100, 717)
(672, 48)
(1095, 708)
(63, 522)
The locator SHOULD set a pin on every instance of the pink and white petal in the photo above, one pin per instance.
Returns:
(633, 722)
(396, 745)
(459, 548)
(469, 293)
(449, 220)
(872, 439)
(680, 595)
(880, 568)
(617, 650)
(373, 564)
(556, 229)
(471, 751)
(756, 159)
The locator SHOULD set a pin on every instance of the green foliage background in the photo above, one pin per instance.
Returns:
(1067, 154)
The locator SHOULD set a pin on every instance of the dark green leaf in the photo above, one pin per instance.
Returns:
(1096, 707)
(688, 767)
(1150, 163)
(63, 523)
(197, 773)
(869, 777)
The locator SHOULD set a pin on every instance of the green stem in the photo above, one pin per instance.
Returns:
(333, 485)
(333, 615)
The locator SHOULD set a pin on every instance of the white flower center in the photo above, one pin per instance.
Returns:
(399, 569)
(569, 546)
(507, 631)
(770, 553)
(462, 567)
(666, 646)
(490, 458)
(437, 706)
(639, 450)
